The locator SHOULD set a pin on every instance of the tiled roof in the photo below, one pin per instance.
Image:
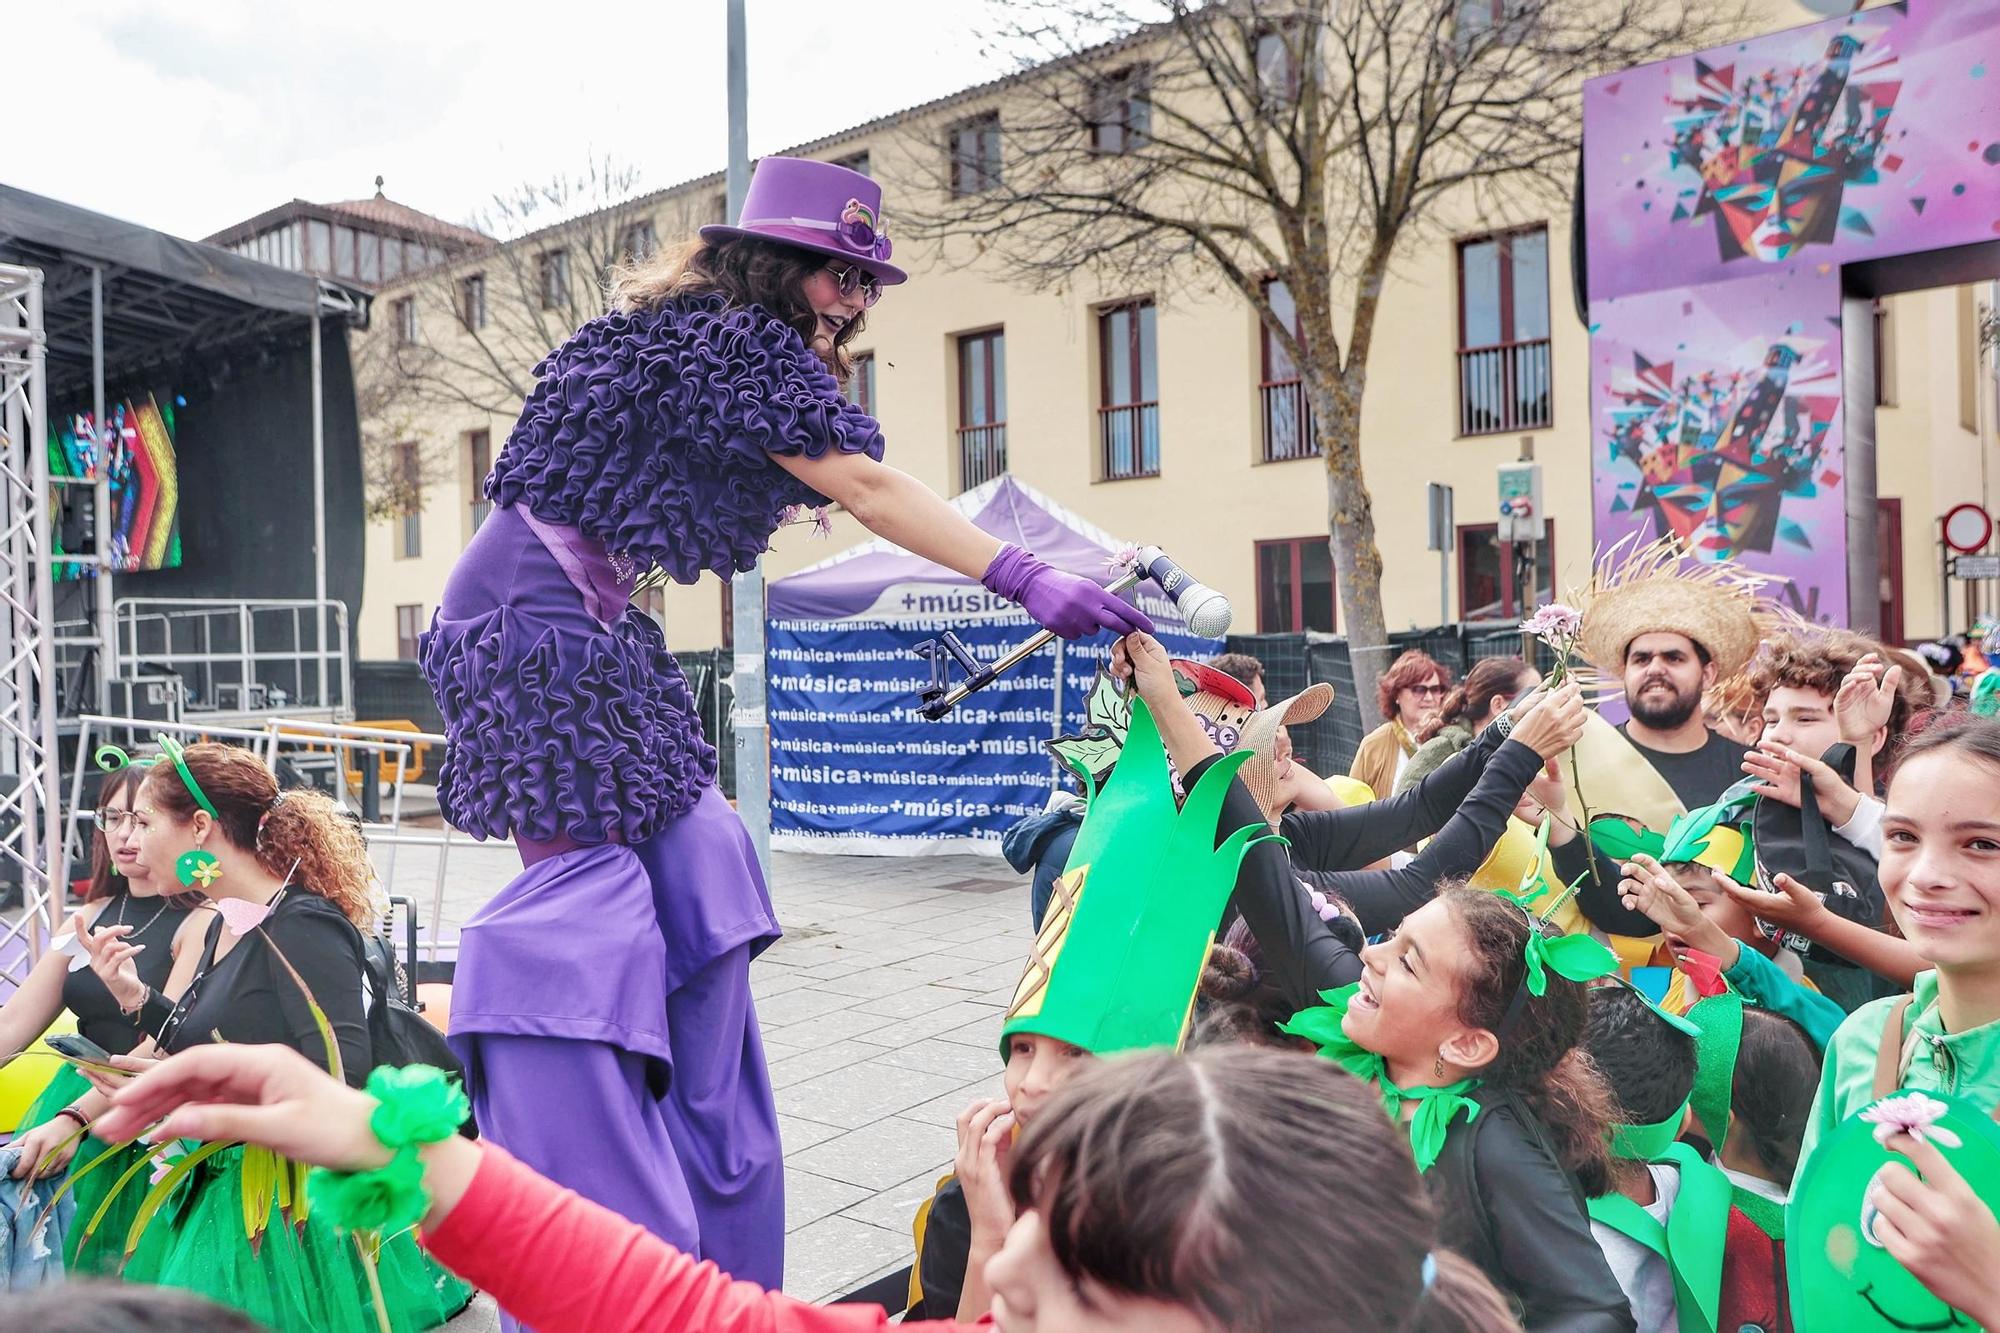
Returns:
(385, 212)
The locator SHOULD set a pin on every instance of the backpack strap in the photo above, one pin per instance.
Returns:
(1889, 1052)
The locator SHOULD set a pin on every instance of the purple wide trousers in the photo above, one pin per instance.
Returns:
(602, 999)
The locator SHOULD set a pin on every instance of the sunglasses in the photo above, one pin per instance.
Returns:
(852, 277)
(1427, 691)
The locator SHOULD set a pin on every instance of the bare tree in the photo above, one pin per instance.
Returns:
(482, 321)
(1310, 142)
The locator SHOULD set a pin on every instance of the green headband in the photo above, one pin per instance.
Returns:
(1648, 1143)
(1579, 958)
(110, 758)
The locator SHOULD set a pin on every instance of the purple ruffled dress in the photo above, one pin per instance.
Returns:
(602, 1001)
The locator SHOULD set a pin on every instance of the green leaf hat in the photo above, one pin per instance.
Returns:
(1119, 955)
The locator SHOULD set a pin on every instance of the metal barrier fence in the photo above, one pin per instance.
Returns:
(1294, 661)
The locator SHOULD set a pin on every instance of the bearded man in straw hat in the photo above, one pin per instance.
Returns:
(1666, 630)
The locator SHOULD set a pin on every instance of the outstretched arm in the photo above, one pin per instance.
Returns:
(892, 504)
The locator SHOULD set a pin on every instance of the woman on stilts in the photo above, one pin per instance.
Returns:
(602, 1001)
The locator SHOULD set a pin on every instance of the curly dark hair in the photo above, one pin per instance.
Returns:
(1539, 1057)
(1412, 668)
(744, 271)
(1648, 1064)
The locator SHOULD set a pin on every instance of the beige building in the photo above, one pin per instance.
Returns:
(1162, 414)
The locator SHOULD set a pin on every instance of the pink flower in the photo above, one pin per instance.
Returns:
(240, 916)
(1911, 1113)
(1553, 624)
(1122, 559)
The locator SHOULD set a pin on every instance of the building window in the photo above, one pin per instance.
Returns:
(1128, 411)
(409, 624)
(1287, 422)
(982, 407)
(410, 527)
(479, 458)
(1476, 18)
(343, 251)
(405, 309)
(472, 301)
(855, 162)
(728, 614)
(1295, 586)
(1504, 379)
(638, 241)
(1122, 112)
(860, 386)
(392, 259)
(975, 155)
(1489, 579)
(369, 270)
(319, 247)
(1277, 70)
(555, 279)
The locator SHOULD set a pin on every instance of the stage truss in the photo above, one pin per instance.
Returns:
(30, 817)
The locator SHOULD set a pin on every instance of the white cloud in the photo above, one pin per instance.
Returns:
(195, 115)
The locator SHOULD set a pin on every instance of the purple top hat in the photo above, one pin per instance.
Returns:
(816, 206)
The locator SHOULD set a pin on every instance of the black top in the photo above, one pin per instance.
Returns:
(1697, 778)
(1506, 1203)
(946, 1252)
(1382, 898)
(83, 994)
(249, 997)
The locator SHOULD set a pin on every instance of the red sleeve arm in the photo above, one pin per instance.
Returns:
(562, 1264)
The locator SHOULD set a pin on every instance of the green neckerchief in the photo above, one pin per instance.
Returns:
(1436, 1107)
(1692, 1239)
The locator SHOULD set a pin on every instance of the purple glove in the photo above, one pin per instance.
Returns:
(1065, 603)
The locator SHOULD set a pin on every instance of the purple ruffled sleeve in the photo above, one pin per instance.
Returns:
(654, 433)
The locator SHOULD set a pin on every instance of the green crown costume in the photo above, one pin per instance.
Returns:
(1119, 955)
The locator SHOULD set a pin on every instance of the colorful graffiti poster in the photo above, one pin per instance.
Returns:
(1855, 138)
(1716, 419)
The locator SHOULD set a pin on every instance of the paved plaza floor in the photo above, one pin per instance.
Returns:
(881, 1016)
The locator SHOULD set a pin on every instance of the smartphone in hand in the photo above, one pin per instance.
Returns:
(77, 1048)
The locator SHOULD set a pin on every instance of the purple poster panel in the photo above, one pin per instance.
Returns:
(1716, 419)
(1852, 139)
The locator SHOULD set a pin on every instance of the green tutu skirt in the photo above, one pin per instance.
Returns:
(101, 1255)
(296, 1279)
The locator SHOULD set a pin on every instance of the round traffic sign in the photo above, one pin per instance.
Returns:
(1967, 527)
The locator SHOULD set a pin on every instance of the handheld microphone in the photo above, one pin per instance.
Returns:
(1206, 611)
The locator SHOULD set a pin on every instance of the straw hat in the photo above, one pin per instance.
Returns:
(1234, 722)
(1655, 589)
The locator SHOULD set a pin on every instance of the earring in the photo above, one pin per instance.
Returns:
(1437, 1066)
(198, 868)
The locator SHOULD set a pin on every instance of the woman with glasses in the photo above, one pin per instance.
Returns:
(123, 892)
(1410, 694)
(602, 1000)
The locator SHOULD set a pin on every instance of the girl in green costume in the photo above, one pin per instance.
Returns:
(1468, 1023)
(282, 956)
(122, 893)
(1941, 876)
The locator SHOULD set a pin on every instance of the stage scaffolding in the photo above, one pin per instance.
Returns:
(30, 818)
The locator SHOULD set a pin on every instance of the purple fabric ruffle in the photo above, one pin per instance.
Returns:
(653, 433)
(559, 725)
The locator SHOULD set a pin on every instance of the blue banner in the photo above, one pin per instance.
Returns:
(855, 768)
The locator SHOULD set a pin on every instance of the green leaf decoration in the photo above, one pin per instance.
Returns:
(69, 1182)
(117, 1186)
(1107, 716)
(1578, 957)
(319, 1019)
(157, 1196)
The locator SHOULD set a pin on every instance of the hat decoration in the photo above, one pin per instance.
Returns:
(1841, 1275)
(1117, 961)
(1658, 587)
(815, 206)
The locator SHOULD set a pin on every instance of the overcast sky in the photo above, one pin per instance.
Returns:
(192, 115)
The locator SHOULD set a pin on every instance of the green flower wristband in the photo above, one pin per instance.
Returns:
(415, 1105)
